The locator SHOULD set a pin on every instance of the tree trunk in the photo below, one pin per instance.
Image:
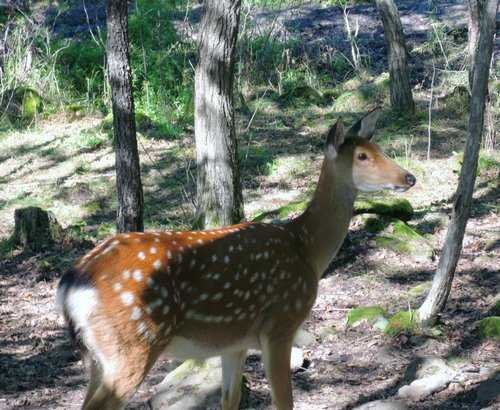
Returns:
(219, 196)
(476, 8)
(128, 174)
(441, 285)
(401, 96)
(35, 228)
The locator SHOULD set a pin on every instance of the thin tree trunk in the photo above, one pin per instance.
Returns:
(400, 90)
(436, 300)
(476, 8)
(128, 175)
(219, 196)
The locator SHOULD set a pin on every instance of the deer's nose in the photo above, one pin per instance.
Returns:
(410, 179)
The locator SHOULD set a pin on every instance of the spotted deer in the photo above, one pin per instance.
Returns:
(197, 294)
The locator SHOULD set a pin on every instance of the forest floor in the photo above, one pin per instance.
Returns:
(345, 366)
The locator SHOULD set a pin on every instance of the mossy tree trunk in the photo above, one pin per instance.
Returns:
(436, 300)
(128, 174)
(219, 195)
(400, 90)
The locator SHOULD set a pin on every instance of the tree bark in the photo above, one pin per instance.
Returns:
(400, 90)
(476, 8)
(128, 174)
(219, 195)
(436, 300)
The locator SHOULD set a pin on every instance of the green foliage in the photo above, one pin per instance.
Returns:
(489, 327)
(162, 76)
(485, 162)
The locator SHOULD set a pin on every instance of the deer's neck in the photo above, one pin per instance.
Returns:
(323, 226)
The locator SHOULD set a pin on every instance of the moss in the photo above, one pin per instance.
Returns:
(420, 289)
(282, 212)
(369, 313)
(350, 101)
(496, 308)
(187, 368)
(28, 102)
(403, 239)
(325, 333)
(396, 207)
(375, 224)
(406, 322)
(306, 94)
(489, 327)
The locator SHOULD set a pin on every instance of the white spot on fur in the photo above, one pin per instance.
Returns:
(136, 313)
(137, 275)
(127, 298)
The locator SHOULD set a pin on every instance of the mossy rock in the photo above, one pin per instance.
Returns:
(370, 313)
(403, 239)
(306, 94)
(282, 212)
(489, 327)
(25, 104)
(402, 322)
(395, 207)
(419, 289)
(350, 101)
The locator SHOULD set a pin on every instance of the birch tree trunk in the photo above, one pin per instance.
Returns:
(219, 196)
(128, 174)
(399, 77)
(436, 299)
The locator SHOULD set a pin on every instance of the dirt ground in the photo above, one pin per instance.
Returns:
(346, 366)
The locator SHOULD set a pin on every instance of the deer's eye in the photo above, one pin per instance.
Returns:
(362, 157)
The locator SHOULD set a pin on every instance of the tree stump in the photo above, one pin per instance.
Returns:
(35, 228)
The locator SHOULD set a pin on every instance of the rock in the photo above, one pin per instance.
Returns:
(370, 313)
(297, 358)
(384, 356)
(425, 386)
(398, 208)
(431, 373)
(403, 239)
(35, 228)
(405, 321)
(303, 338)
(383, 405)
(193, 385)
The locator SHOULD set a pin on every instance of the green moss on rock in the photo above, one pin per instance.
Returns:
(398, 208)
(403, 239)
(282, 212)
(489, 327)
(406, 322)
(369, 313)
(420, 289)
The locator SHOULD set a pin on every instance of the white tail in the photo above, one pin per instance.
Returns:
(198, 294)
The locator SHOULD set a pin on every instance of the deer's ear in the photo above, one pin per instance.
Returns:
(335, 139)
(365, 127)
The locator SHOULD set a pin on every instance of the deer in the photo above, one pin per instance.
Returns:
(219, 292)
